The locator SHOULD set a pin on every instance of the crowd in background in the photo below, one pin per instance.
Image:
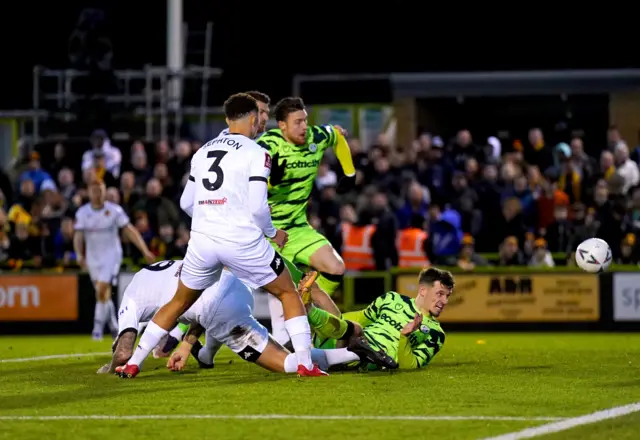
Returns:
(525, 203)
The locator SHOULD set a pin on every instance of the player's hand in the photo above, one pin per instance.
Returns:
(412, 326)
(149, 257)
(346, 184)
(281, 238)
(178, 360)
(341, 130)
(277, 169)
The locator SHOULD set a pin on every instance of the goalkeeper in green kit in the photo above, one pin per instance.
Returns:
(296, 150)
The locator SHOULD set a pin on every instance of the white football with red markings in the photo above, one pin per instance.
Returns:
(593, 255)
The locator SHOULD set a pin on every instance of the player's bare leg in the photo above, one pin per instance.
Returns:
(105, 312)
(162, 322)
(296, 322)
(331, 267)
(122, 351)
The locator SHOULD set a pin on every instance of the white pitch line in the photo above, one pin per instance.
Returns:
(54, 356)
(274, 417)
(569, 423)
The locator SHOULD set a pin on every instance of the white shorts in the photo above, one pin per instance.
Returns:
(232, 323)
(256, 265)
(104, 271)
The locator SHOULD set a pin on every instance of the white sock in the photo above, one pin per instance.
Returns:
(340, 356)
(300, 333)
(100, 314)
(278, 329)
(151, 337)
(291, 363)
(177, 333)
(111, 316)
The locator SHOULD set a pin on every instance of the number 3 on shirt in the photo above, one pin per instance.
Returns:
(217, 156)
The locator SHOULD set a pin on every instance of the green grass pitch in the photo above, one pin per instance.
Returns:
(479, 386)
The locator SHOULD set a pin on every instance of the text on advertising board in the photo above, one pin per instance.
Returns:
(513, 298)
(39, 298)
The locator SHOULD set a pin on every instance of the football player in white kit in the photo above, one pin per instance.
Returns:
(97, 230)
(226, 195)
(224, 310)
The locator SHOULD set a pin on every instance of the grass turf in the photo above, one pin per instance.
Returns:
(512, 375)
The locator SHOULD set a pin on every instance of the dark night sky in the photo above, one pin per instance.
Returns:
(264, 53)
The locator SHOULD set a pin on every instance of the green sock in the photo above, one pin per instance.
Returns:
(325, 324)
(328, 285)
(183, 327)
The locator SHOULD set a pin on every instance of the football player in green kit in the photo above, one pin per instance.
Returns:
(296, 150)
(407, 329)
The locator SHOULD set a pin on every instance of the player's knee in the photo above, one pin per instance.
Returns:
(335, 267)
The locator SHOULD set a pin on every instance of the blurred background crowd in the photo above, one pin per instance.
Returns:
(462, 202)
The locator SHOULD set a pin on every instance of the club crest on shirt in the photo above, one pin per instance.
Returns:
(313, 148)
(107, 213)
(424, 328)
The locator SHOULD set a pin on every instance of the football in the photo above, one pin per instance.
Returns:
(593, 255)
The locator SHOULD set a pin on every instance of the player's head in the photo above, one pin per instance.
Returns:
(241, 113)
(292, 119)
(434, 288)
(97, 192)
(263, 101)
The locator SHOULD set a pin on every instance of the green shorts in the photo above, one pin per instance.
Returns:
(303, 242)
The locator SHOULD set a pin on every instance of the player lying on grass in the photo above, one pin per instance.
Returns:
(296, 150)
(277, 358)
(224, 310)
(407, 329)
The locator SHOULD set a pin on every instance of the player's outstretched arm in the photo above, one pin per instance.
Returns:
(134, 237)
(78, 246)
(187, 197)
(178, 359)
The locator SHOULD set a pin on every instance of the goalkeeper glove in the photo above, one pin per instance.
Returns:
(346, 184)
(277, 170)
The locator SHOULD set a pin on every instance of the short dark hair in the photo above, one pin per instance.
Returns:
(431, 275)
(259, 96)
(287, 106)
(239, 106)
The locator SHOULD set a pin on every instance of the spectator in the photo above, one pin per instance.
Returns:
(169, 190)
(326, 177)
(100, 169)
(66, 184)
(541, 257)
(63, 243)
(625, 167)
(538, 153)
(386, 230)
(445, 235)
(160, 210)
(468, 258)
(140, 168)
(417, 203)
(60, 160)
(163, 152)
(558, 233)
(100, 144)
(510, 254)
(129, 193)
(180, 164)
(40, 178)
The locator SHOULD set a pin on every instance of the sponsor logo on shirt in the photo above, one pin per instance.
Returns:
(221, 201)
(303, 164)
